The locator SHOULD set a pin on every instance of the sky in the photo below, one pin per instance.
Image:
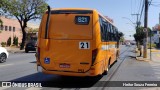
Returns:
(118, 10)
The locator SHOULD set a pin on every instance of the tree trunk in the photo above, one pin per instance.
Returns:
(24, 36)
(23, 40)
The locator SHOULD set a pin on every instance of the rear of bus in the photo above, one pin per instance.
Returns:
(68, 48)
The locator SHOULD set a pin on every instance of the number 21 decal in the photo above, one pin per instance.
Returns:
(84, 45)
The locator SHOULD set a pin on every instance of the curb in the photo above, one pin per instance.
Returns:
(16, 51)
(143, 59)
(154, 50)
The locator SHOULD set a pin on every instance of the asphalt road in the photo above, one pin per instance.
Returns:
(22, 67)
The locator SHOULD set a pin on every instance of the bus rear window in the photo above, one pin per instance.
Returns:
(82, 20)
(71, 12)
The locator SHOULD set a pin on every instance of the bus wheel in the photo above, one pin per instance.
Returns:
(106, 71)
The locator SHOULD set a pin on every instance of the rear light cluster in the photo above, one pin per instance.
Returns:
(94, 55)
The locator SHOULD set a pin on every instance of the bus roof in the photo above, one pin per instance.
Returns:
(87, 9)
(71, 9)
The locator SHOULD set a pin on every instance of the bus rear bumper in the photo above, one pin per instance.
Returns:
(40, 69)
(94, 71)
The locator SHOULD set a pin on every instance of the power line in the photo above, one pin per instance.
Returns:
(155, 4)
(140, 6)
(150, 3)
(141, 12)
(131, 6)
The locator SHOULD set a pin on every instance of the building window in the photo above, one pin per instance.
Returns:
(10, 28)
(1, 27)
(6, 28)
(13, 29)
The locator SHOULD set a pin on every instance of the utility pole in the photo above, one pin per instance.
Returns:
(137, 22)
(145, 41)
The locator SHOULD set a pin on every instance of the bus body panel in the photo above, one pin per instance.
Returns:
(63, 51)
(66, 52)
(63, 46)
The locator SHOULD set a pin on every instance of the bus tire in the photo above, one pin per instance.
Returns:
(106, 71)
(109, 66)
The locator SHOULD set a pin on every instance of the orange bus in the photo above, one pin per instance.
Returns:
(76, 42)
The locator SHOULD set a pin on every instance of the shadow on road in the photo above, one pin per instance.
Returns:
(59, 81)
(33, 62)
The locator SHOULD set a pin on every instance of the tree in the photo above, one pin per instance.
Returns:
(121, 37)
(9, 41)
(139, 36)
(24, 11)
(15, 40)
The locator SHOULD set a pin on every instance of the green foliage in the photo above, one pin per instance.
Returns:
(15, 41)
(9, 41)
(121, 38)
(3, 44)
(24, 9)
(139, 36)
(120, 34)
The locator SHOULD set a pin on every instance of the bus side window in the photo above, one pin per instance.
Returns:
(115, 35)
(102, 29)
(110, 33)
(107, 31)
(116, 32)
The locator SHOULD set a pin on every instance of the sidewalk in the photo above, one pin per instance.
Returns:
(14, 50)
(139, 70)
(152, 55)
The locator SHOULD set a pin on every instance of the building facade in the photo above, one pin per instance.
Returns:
(156, 35)
(10, 28)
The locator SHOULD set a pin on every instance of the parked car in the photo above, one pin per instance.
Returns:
(3, 55)
(31, 46)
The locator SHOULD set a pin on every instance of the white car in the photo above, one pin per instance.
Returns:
(3, 54)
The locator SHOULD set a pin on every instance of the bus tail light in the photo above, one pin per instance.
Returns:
(94, 55)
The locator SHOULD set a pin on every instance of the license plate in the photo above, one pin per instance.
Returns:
(64, 65)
